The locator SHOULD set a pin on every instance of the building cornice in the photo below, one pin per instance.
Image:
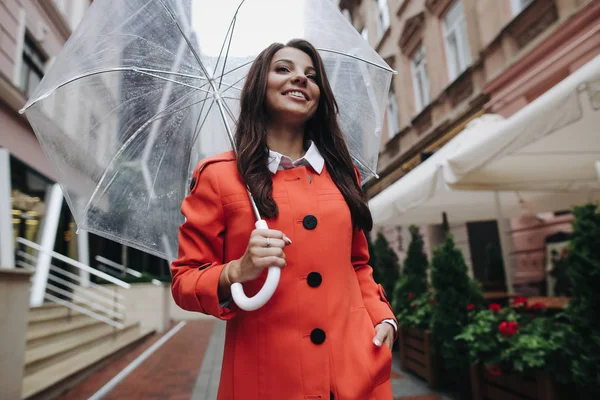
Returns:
(437, 7)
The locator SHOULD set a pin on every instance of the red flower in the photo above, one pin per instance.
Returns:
(494, 307)
(494, 370)
(537, 306)
(471, 307)
(519, 301)
(508, 328)
(411, 296)
(432, 302)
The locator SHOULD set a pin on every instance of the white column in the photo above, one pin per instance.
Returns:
(7, 246)
(504, 232)
(48, 236)
(83, 256)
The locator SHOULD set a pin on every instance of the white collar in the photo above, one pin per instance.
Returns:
(312, 157)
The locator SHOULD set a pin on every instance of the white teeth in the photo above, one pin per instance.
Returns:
(295, 94)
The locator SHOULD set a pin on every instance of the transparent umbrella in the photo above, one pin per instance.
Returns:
(145, 89)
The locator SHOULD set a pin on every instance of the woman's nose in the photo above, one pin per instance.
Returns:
(299, 79)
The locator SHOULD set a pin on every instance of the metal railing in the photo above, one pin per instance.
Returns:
(65, 285)
(105, 263)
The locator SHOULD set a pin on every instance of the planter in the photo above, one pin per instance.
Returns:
(486, 386)
(417, 355)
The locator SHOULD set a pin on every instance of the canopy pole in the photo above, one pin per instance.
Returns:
(504, 232)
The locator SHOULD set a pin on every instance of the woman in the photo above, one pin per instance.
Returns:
(320, 336)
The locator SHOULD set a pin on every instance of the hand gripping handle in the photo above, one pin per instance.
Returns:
(264, 294)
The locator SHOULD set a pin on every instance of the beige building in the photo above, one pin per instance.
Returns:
(459, 59)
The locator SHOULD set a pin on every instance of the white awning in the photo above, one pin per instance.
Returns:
(542, 158)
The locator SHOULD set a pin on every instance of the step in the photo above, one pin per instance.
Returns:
(42, 323)
(49, 314)
(44, 308)
(42, 356)
(51, 382)
(61, 331)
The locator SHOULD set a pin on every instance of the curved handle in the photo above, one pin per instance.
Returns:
(264, 294)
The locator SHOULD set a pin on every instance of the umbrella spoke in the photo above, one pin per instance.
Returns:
(106, 71)
(230, 34)
(187, 40)
(196, 134)
(233, 85)
(174, 81)
(357, 58)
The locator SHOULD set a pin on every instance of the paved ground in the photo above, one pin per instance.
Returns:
(188, 367)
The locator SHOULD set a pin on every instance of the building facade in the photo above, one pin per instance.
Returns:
(459, 59)
(32, 33)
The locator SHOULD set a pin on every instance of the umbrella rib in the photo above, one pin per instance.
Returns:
(236, 68)
(230, 29)
(173, 80)
(92, 73)
(203, 122)
(364, 166)
(187, 40)
(196, 128)
(126, 145)
(358, 58)
(233, 85)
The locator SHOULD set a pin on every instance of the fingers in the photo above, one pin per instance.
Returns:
(383, 334)
(271, 234)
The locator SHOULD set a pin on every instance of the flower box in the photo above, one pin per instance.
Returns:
(417, 355)
(488, 386)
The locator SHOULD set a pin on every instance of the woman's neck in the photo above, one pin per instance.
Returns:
(286, 140)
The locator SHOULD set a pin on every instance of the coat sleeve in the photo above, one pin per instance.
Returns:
(373, 294)
(196, 272)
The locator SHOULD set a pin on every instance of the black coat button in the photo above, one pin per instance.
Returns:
(317, 336)
(193, 184)
(314, 279)
(309, 222)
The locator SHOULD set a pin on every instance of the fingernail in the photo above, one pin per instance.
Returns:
(288, 240)
(377, 342)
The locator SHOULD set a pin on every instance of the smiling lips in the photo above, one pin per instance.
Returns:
(296, 94)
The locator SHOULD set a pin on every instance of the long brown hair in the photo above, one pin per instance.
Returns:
(322, 128)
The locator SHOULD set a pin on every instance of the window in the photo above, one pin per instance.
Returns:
(392, 114)
(519, 5)
(420, 79)
(383, 16)
(456, 41)
(365, 34)
(32, 66)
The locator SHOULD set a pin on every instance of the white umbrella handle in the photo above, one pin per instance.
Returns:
(264, 294)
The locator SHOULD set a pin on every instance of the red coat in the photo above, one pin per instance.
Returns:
(313, 339)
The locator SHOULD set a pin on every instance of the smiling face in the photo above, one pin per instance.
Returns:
(292, 90)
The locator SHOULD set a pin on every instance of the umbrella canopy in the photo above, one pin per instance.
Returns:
(552, 144)
(145, 89)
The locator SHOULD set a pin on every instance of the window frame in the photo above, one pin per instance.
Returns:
(457, 61)
(383, 16)
(393, 114)
(419, 70)
(33, 61)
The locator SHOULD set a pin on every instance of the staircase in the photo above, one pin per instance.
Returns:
(64, 347)
(78, 329)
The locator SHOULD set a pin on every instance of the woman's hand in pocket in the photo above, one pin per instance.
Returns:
(384, 333)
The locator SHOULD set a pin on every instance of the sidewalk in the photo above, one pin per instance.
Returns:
(188, 367)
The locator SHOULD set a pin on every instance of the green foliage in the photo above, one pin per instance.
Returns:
(494, 264)
(582, 349)
(414, 274)
(418, 313)
(384, 262)
(531, 346)
(455, 291)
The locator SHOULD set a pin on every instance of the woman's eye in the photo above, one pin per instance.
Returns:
(282, 69)
(311, 77)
